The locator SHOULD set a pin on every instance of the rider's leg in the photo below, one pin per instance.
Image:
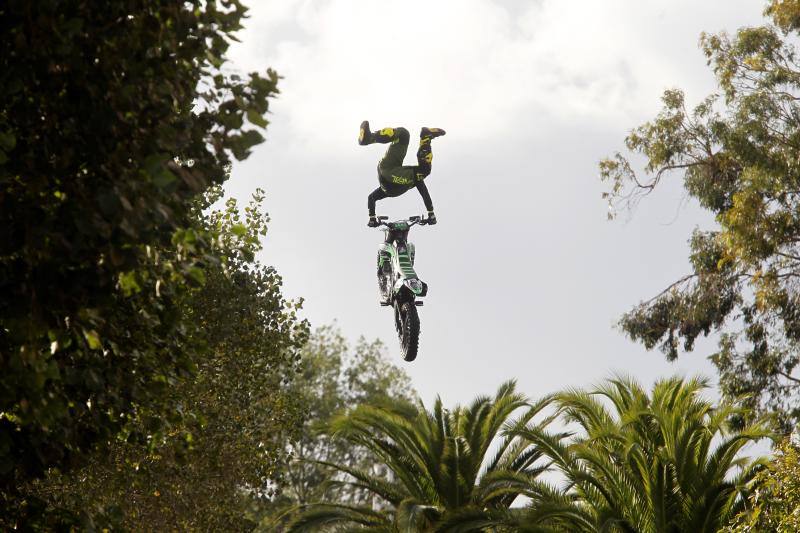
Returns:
(398, 137)
(424, 158)
(424, 154)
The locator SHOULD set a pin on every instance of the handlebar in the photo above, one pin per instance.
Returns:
(412, 221)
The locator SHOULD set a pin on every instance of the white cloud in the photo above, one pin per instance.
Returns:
(473, 66)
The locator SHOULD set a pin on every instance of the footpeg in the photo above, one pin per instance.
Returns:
(385, 304)
(419, 304)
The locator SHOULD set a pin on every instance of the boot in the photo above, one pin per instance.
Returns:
(364, 135)
(384, 136)
(431, 133)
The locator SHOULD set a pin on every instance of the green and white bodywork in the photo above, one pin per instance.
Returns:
(396, 264)
(398, 283)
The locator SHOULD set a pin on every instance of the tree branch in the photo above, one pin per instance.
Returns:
(672, 286)
(787, 376)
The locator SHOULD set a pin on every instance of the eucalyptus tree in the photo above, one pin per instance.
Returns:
(663, 462)
(774, 503)
(442, 464)
(737, 155)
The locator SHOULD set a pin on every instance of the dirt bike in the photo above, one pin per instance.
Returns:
(398, 284)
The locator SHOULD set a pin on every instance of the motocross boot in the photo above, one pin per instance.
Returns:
(431, 133)
(365, 136)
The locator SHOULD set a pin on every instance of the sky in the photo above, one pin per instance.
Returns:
(527, 278)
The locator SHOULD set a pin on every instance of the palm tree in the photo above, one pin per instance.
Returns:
(667, 462)
(439, 462)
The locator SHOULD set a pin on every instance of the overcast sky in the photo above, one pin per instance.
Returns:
(527, 279)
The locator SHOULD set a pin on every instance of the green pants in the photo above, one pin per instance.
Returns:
(395, 179)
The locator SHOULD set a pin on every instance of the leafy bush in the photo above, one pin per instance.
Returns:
(775, 501)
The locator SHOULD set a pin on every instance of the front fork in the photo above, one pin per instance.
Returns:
(398, 320)
(384, 275)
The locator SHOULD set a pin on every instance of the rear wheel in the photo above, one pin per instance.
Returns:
(407, 322)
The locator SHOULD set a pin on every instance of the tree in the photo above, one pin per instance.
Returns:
(239, 414)
(112, 122)
(774, 503)
(440, 464)
(738, 158)
(334, 378)
(657, 463)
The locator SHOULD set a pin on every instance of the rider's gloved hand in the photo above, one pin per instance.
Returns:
(431, 217)
(373, 222)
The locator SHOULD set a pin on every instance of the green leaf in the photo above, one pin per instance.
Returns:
(154, 162)
(197, 274)
(7, 141)
(163, 178)
(240, 230)
(128, 283)
(93, 339)
(256, 118)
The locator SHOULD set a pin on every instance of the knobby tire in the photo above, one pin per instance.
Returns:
(408, 330)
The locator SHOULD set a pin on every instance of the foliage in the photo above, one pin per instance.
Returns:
(738, 157)
(440, 462)
(239, 413)
(659, 462)
(774, 505)
(334, 378)
(631, 460)
(112, 121)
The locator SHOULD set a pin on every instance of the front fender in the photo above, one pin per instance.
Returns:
(410, 287)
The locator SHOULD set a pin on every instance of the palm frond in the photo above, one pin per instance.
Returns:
(317, 517)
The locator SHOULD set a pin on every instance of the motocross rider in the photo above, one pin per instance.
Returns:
(394, 178)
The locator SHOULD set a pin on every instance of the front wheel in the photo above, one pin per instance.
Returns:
(407, 323)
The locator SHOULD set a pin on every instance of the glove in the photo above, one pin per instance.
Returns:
(431, 218)
(373, 222)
